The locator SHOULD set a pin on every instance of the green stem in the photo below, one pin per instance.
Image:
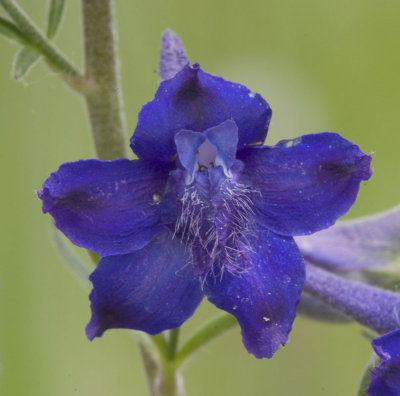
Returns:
(159, 342)
(104, 102)
(163, 376)
(150, 368)
(172, 343)
(170, 382)
(214, 328)
(37, 40)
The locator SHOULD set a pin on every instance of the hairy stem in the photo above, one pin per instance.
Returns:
(104, 102)
(37, 40)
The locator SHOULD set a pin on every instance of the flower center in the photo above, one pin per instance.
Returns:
(206, 155)
(216, 223)
(215, 146)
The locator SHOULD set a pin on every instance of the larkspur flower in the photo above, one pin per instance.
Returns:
(206, 210)
(385, 378)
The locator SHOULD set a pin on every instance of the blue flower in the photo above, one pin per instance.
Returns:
(206, 210)
(385, 378)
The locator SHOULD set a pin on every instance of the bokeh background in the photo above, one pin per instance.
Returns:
(322, 66)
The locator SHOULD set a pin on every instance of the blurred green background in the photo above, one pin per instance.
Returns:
(322, 65)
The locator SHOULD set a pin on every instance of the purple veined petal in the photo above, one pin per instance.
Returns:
(375, 308)
(195, 100)
(172, 55)
(385, 378)
(307, 183)
(366, 242)
(152, 289)
(109, 207)
(264, 297)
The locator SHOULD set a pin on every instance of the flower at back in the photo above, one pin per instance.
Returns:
(206, 210)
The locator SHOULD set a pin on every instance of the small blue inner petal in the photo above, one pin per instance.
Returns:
(215, 146)
(225, 138)
(187, 144)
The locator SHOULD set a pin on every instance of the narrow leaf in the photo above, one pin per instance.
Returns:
(211, 330)
(24, 60)
(75, 263)
(8, 29)
(365, 378)
(54, 16)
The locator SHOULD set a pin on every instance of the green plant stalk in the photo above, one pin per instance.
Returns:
(211, 330)
(10, 30)
(158, 357)
(38, 41)
(172, 344)
(169, 382)
(150, 367)
(104, 102)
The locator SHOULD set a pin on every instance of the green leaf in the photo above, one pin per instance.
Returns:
(54, 17)
(25, 58)
(8, 29)
(77, 266)
(365, 378)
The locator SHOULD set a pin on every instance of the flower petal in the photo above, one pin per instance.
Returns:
(172, 57)
(306, 183)
(385, 378)
(366, 242)
(264, 298)
(187, 144)
(225, 138)
(372, 307)
(196, 101)
(152, 289)
(106, 206)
